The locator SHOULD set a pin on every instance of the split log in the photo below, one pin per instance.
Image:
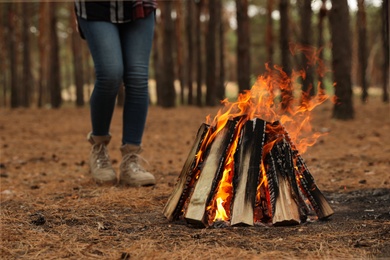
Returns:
(285, 165)
(176, 201)
(247, 169)
(285, 208)
(314, 195)
(307, 183)
(210, 174)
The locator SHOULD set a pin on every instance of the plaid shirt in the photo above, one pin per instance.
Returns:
(114, 11)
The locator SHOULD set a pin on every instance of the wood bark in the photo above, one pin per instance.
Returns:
(89, 71)
(307, 185)
(54, 80)
(4, 66)
(269, 37)
(286, 91)
(306, 41)
(43, 52)
(78, 69)
(320, 42)
(157, 63)
(243, 46)
(27, 85)
(198, 51)
(179, 49)
(221, 43)
(211, 56)
(190, 50)
(385, 10)
(341, 59)
(168, 88)
(362, 49)
(314, 195)
(13, 55)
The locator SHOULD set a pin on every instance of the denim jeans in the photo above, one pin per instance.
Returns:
(120, 54)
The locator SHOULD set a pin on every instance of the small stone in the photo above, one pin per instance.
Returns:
(37, 219)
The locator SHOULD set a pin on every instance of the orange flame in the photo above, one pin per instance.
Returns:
(262, 101)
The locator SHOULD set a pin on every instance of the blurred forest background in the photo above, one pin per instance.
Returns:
(204, 51)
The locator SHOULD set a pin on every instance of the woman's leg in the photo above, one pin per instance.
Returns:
(136, 39)
(105, 46)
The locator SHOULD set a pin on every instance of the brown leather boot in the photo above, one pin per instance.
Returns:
(100, 164)
(131, 172)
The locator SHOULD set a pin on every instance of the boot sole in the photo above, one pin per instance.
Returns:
(138, 183)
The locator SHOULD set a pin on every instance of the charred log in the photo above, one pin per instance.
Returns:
(251, 172)
(308, 185)
(247, 170)
(209, 176)
(175, 203)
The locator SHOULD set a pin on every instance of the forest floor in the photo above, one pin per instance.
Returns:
(51, 209)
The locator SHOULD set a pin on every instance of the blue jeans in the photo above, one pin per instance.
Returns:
(121, 54)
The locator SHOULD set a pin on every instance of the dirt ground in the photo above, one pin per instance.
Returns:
(51, 209)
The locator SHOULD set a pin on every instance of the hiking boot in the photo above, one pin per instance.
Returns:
(100, 164)
(131, 172)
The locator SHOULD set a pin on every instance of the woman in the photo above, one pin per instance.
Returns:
(119, 36)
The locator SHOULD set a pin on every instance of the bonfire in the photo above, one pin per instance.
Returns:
(246, 167)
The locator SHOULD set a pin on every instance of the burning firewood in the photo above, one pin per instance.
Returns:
(209, 174)
(246, 173)
(244, 168)
(181, 192)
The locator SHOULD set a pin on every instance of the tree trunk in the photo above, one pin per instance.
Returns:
(4, 45)
(27, 75)
(386, 51)
(43, 52)
(179, 48)
(243, 46)
(306, 32)
(320, 43)
(78, 68)
(362, 49)
(13, 54)
(341, 59)
(221, 43)
(168, 92)
(198, 55)
(269, 38)
(157, 62)
(286, 92)
(54, 68)
(190, 48)
(210, 56)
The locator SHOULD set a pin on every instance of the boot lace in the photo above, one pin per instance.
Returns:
(132, 161)
(102, 158)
